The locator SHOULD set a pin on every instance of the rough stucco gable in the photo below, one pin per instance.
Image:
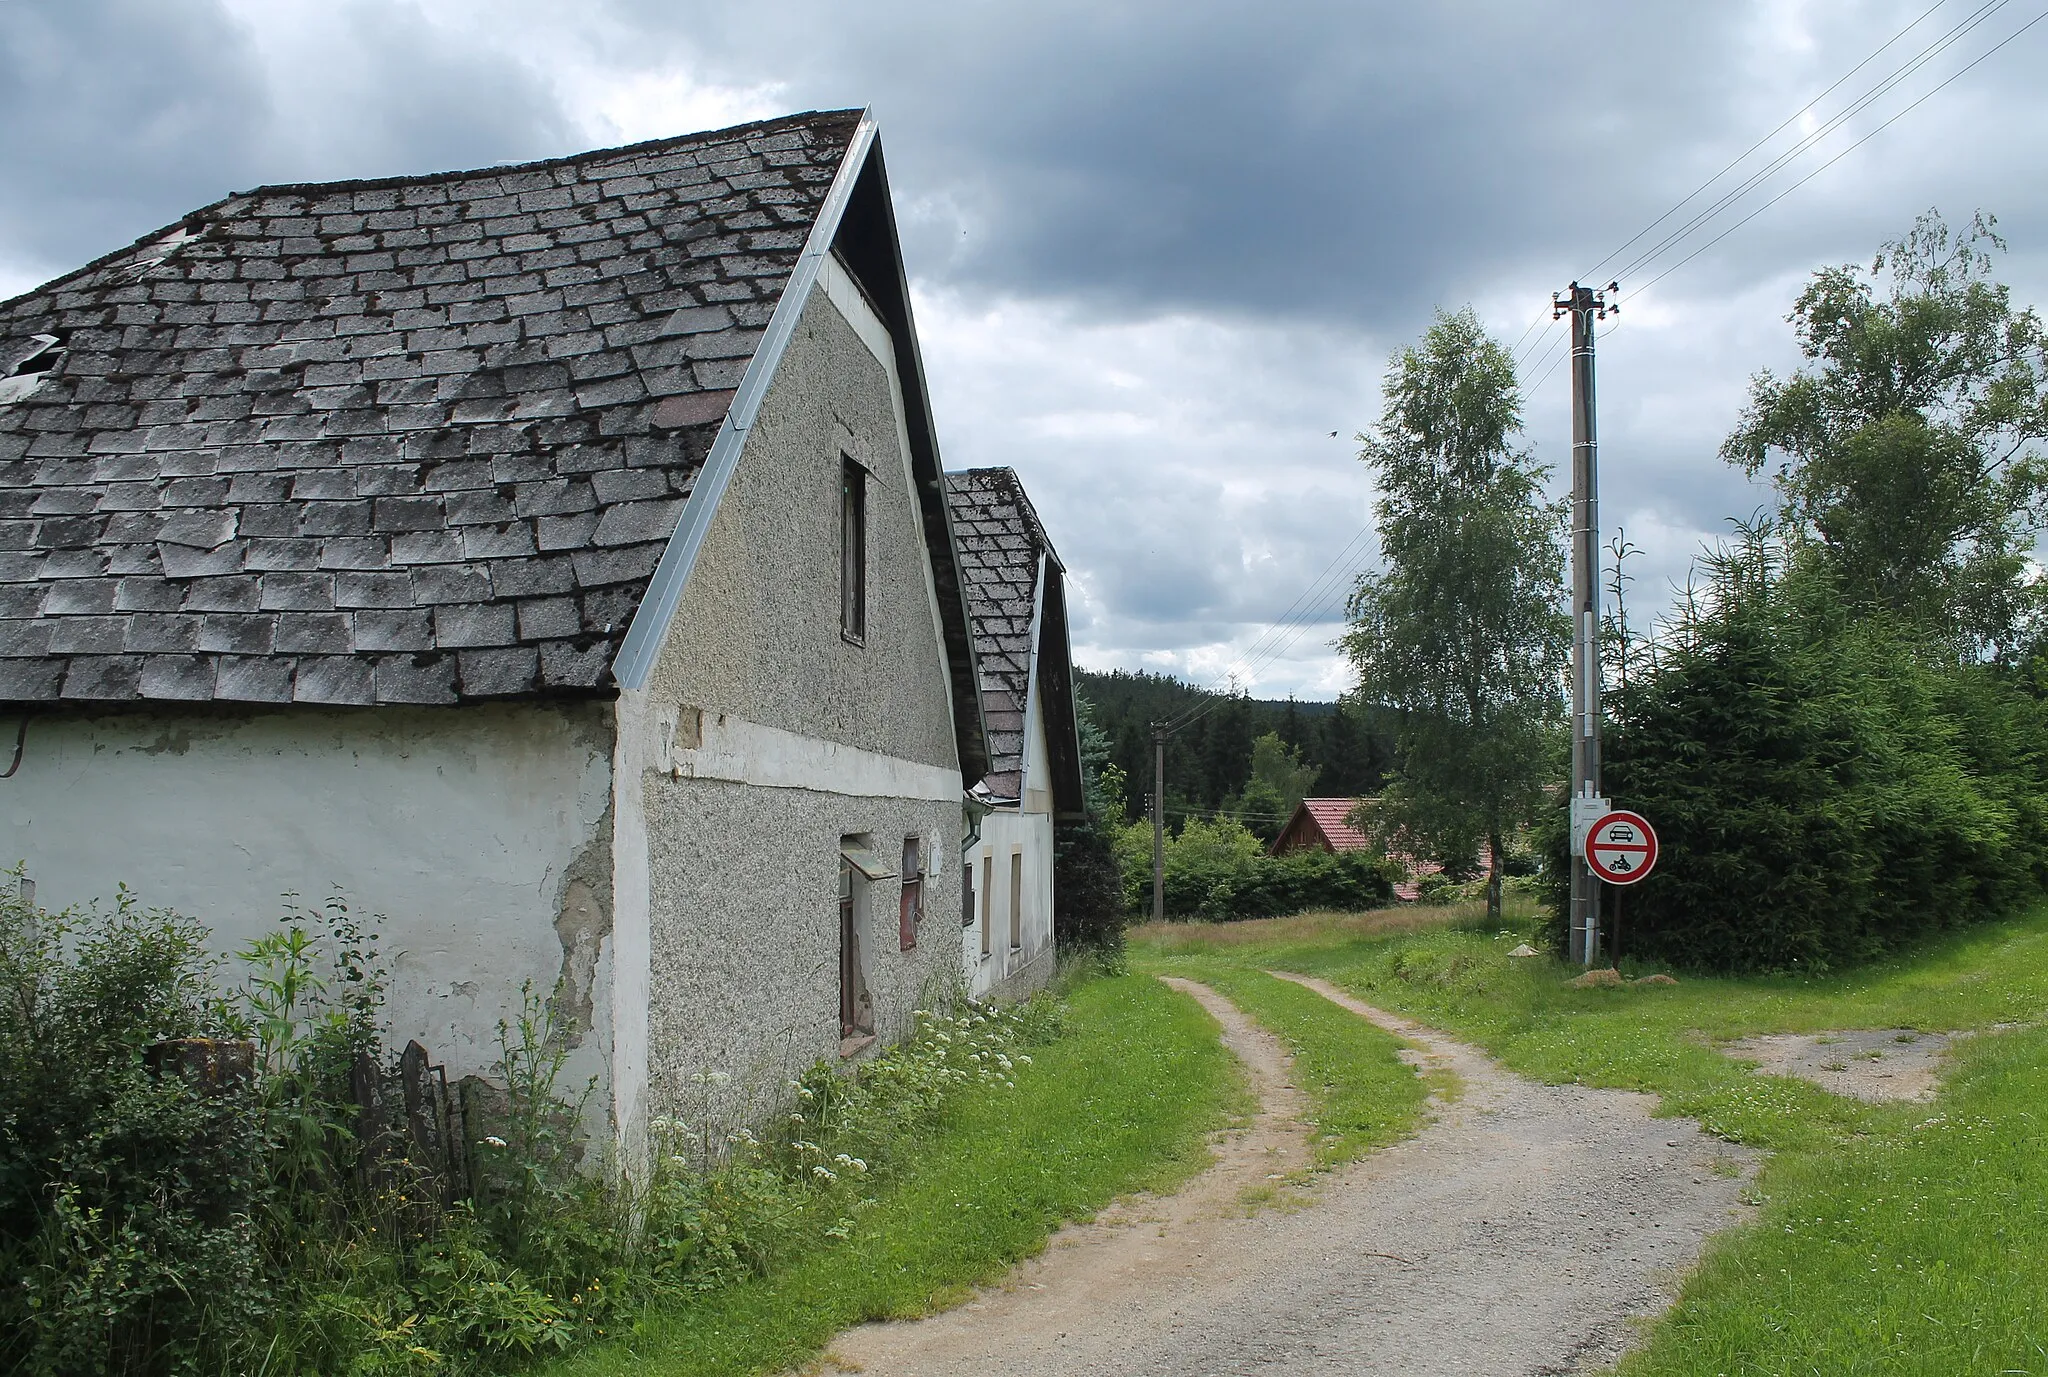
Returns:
(764, 736)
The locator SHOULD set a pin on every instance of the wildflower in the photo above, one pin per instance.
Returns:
(824, 1173)
(1023, 1060)
(494, 1140)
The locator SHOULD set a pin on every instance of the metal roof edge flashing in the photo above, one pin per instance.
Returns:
(642, 643)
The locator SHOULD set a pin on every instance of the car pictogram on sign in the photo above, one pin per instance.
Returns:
(1621, 847)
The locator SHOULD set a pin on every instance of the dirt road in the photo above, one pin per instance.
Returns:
(1521, 1232)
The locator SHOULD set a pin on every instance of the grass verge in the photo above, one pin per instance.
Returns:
(1121, 1101)
(1364, 1095)
(1898, 1238)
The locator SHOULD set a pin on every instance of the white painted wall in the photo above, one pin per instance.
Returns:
(1024, 830)
(455, 825)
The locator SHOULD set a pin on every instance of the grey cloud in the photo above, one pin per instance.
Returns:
(121, 115)
(124, 114)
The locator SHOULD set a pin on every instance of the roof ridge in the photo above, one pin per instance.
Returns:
(418, 179)
(502, 169)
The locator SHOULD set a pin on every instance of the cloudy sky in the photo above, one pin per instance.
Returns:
(1161, 251)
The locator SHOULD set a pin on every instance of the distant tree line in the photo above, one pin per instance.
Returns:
(1323, 749)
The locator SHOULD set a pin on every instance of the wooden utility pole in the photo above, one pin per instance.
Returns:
(1586, 306)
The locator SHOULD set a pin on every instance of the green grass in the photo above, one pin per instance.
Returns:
(1121, 1101)
(1364, 1095)
(1892, 1238)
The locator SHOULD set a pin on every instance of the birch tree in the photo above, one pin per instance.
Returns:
(1463, 633)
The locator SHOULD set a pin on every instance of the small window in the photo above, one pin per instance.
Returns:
(853, 551)
(987, 894)
(1016, 901)
(910, 912)
(856, 1009)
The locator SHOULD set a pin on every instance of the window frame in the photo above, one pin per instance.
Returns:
(910, 906)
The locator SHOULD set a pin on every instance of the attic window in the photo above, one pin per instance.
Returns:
(25, 363)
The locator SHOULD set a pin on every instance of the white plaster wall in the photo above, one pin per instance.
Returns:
(1026, 829)
(1006, 832)
(458, 826)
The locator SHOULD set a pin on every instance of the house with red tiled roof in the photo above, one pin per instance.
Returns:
(1322, 823)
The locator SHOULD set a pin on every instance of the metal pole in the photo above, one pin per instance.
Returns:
(1158, 824)
(1585, 306)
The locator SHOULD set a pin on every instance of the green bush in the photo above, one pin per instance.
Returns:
(1824, 791)
(1220, 871)
(181, 1190)
(126, 1190)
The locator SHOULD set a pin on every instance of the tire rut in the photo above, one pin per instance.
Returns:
(1525, 1230)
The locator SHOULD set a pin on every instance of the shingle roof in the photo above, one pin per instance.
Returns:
(419, 440)
(1000, 541)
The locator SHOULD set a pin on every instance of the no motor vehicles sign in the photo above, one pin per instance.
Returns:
(1621, 848)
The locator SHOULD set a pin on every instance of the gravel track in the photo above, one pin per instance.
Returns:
(1524, 1230)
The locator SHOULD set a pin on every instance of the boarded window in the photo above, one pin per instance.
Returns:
(856, 1008)
(853, 551)
(1016, 900)
(910, 910)
(987, 895)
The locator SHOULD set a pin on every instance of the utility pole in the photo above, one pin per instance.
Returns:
(1586, 306)
(1158, 822)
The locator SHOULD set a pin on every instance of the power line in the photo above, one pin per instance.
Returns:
(1739, 158)
(1783, 160)
(1838, 157)
(1306, 610)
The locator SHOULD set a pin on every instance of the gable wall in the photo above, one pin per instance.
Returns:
(763, 737)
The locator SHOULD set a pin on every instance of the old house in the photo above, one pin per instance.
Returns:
(1321, 824)
(553, 559)
(1017, 604)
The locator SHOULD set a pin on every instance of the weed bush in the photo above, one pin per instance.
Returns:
(1220, 871)
(182, 1189)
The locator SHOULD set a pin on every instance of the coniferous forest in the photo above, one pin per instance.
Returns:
(1209, 762)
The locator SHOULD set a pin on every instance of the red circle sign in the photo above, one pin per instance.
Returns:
(1621, 847)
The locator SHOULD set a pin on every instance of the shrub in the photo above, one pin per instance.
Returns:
(128, 1181)
(175, 1199)
(1823, 790)
(1088, 888)
(1218, 870)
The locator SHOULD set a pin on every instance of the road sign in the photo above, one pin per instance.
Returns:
(1621, 847)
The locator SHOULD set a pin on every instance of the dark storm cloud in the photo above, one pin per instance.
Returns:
(1332, 159)
(119, 116)
(124, 114)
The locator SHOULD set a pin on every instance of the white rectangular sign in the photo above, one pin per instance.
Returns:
(1586, 812)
